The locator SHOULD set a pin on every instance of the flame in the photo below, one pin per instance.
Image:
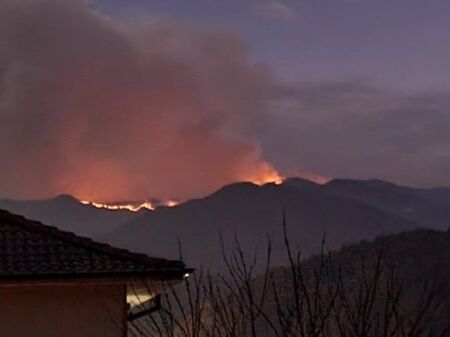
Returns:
(130, 207)
(171, 203)
(269, 175)
(116, 207)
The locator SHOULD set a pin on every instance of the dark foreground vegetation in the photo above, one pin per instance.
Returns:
(396, 286)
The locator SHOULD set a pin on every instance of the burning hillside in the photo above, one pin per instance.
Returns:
(130, 206)
(133, 206)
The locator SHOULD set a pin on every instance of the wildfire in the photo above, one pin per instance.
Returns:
(264, 176)
(171, 203)
(270, 176)
(132, 207)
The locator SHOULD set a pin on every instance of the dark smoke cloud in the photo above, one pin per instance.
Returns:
(122, 110)
(108, 110)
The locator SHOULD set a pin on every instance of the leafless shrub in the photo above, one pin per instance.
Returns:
(319, 297)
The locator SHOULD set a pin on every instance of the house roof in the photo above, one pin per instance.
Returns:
(30, 250)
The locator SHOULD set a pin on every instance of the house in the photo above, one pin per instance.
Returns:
(57, 284)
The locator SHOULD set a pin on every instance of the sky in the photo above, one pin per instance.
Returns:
(399, 43)
(126, 100)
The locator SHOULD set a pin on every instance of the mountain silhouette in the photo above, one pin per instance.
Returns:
(250, 214)
(343, 210)
(67, 213)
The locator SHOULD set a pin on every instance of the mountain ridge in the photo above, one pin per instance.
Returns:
(68, 213)
(251, 213)
(346, 210)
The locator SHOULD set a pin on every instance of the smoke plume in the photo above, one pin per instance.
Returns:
(106, 109)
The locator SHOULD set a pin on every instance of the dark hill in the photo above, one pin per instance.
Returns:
(251, 213)
(429, 207)
(345, 210)
(67, 213)
(410, 271)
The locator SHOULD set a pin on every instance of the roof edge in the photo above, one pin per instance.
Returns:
(88, 243)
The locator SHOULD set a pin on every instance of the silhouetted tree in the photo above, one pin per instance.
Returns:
(320, 297)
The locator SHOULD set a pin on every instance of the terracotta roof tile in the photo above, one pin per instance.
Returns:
(29, 249)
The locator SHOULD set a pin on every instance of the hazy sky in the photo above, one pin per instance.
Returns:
(401, 43)
(129, 99)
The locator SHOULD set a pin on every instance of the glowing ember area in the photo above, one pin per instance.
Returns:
(171, 203)
(264, 174)
(274, 178)
(117, 207)
(267, 175)
(132, 207)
